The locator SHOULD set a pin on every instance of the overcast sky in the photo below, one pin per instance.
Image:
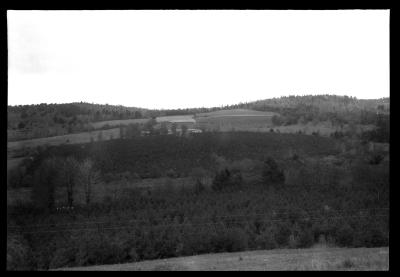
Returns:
(178, 59)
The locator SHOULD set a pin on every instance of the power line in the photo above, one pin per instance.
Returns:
(212, 217)
(190, 224)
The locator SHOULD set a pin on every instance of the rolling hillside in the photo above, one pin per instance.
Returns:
(44, 120)
(235, 112)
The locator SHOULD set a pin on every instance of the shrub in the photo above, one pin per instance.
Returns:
(63, 257)
(172, 173)
(99, 249)
(344, 235)
(16, 176)
(266, 240)
(347, 263)
(272, 174)
(282, 235)
(133, 256)
(305, 239)
(373, 237)
(198, 187)
(45, 180)
(17, 253)
(230, 240)
(226, 179)
(376, 159)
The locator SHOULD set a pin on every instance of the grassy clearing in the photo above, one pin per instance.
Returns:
(176, 118)
(236, 123)
(264, 124)
(224, 120)
(14, 147)
(323, 128)
(84, 137)
(235, 112)
(280, 259)
(112, 123)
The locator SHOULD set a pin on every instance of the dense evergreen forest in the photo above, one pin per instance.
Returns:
(267, 191)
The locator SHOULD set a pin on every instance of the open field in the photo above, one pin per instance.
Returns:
(65, 139)
(264, 124)
(176, 118)
(235, 112)
(323, 128)
(236, 123)
(14, 147)
(237, 119)
(280, 259)
(112, 123)
(82, 137)
(224, 120)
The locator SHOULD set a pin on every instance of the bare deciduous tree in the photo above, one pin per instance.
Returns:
(89, 176)
(43, 191)
(70, 168)
(173, 128)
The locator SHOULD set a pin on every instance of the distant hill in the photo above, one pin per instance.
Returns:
(44, 120)
(329, 103)
(339, 109)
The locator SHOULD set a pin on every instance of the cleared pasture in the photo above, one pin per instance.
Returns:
(84, 137)
(237, 120)
(342, 259)
(235, 112)
(236, 123)
(15, 149)
(112, 123)
(264, 124)
(176, 119)
(323, 128)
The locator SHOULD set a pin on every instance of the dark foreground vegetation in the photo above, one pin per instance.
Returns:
(267, 191)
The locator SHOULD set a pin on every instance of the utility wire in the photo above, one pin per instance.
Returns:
(192, 224)
(211, 217)
(272, 213)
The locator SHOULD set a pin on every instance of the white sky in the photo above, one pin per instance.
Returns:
(178, 59)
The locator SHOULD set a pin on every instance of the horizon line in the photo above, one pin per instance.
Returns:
(210, 107)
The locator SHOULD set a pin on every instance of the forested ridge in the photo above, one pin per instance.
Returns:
(34, 121)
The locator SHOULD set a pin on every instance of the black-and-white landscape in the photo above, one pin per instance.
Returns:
(198, 140)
